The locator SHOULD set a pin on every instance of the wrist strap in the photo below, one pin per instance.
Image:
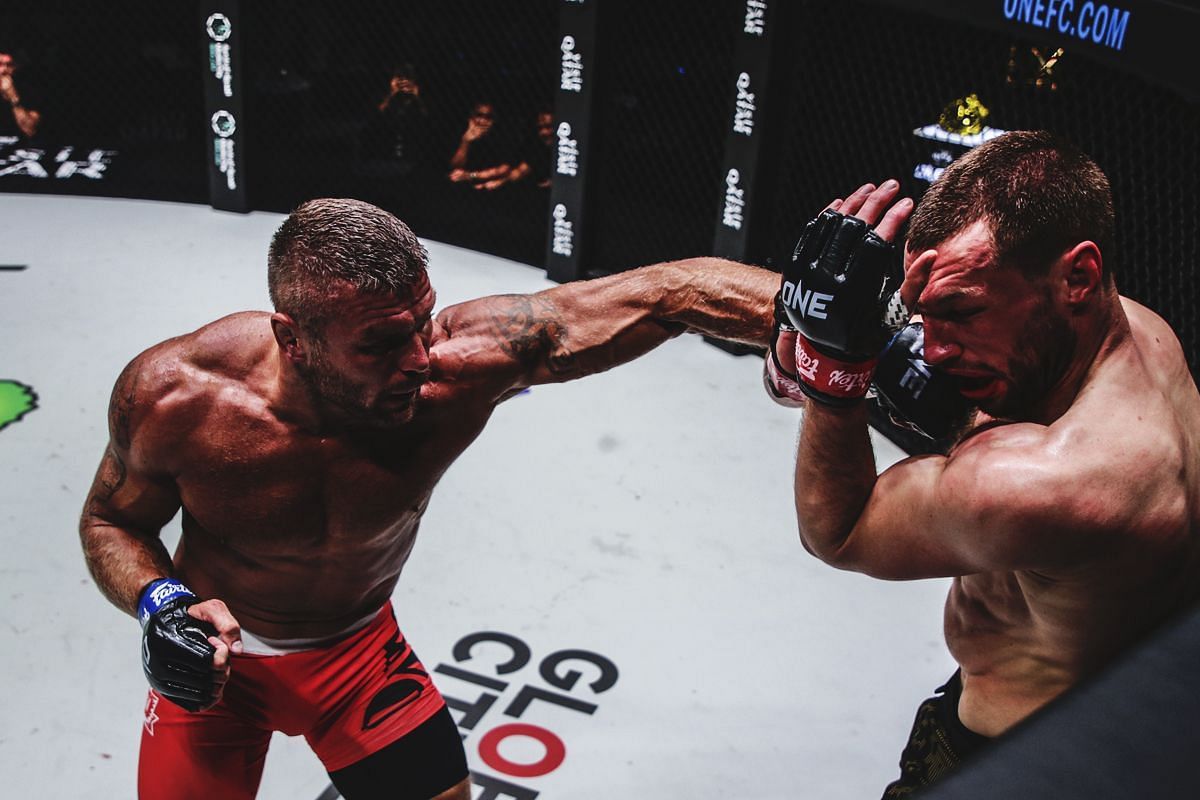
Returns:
(832, 377)
(896, 315)
(157, 594)
(781, 386)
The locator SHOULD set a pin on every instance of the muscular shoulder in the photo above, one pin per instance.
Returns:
(1092, 477)
(1158, 345)
(167, 390)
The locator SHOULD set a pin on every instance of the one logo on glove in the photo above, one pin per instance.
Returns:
(915, 378)
(808, 303)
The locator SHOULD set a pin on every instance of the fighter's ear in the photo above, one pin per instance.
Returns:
(1082, 270)
(287, 336)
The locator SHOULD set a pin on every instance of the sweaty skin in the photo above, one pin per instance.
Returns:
(299, 517)
(1128, 476)
(1069, 536)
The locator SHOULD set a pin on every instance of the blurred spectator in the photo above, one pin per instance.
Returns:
(536, 152)
(20, 116)
(398, 133)
(480, 156)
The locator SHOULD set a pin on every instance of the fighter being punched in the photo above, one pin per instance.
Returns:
(303, 446)
(1068, 514)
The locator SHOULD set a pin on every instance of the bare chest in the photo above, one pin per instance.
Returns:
(259, 485)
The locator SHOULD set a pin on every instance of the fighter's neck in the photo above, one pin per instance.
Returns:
(295, 401)
(1100, 337)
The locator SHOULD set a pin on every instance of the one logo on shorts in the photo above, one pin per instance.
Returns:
(151, 715)
(219, 27)
(223, 124)
(399, 659)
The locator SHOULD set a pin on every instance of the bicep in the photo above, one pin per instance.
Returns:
(904, 531)
(125, 496)
(982, 511)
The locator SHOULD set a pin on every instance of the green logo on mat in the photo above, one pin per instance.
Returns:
(16, 400)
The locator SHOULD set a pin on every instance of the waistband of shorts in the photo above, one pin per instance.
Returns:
(256, 645)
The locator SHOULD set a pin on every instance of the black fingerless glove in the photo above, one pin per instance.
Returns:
(916, 395)
(835, 293)
(176, 655)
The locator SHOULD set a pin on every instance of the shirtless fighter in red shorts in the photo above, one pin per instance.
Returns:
(303, 447)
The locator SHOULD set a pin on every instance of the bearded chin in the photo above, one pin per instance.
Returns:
(1043, 355)
(331, 389)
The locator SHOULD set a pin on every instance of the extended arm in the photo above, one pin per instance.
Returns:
(586, 327)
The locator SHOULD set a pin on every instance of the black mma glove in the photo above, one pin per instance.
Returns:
(176, 655)
(917, 395)
(835, 292)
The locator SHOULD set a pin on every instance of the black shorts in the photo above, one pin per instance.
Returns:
(939, 742)
(423, 764)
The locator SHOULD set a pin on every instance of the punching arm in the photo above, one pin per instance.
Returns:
(587, 327)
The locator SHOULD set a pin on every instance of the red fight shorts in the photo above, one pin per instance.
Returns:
(348, 700)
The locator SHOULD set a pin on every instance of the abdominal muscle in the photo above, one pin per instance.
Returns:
(320, 590)
(1012, 661)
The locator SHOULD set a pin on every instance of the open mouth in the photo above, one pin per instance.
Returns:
(976, 386)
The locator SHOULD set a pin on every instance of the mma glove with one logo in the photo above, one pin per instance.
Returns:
(176, 654)
(916, 395)
(835, 293)
(840, 292)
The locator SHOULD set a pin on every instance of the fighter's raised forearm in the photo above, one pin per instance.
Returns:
(835, 474)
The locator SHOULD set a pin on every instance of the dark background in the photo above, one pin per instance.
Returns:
(123, 76)
(855, 79)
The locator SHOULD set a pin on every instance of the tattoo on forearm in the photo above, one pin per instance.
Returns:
(531, 332)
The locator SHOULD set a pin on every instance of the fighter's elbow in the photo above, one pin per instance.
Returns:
(825, 543)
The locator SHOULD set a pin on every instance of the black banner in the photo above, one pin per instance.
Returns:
(573, 116)
(744, 138)
(221, 23)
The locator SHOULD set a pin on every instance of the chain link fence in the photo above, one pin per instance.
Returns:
(372, 100)
(866, 76)
(660, 122)
(441, 112)
(110, 100)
